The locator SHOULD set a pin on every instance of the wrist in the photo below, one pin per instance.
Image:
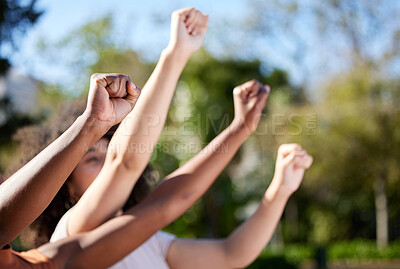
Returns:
(92, 128)
(179, 56)
(276, 191)
(240, 128)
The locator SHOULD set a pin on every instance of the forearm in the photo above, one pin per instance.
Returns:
(135, 140)
(188, 183)
(31, 189)
(245, 244)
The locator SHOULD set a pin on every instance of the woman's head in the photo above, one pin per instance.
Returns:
(34, 139)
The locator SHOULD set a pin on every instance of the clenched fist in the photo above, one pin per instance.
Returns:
(188, 29)
(249, 100)
(111, 98)
(291, 163)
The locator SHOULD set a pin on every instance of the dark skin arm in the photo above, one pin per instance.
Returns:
(29, 191)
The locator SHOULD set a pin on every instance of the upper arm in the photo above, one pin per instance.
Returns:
(197, 254)
(102, 200)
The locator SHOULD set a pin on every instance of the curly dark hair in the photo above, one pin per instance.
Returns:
(32, 140)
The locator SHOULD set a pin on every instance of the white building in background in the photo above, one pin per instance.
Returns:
(21, 90)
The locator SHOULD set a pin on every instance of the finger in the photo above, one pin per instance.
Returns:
(115, 84)
(191, 17)
(309, 161)
(180, 14)
(193, 24)
(109, 81)
(246, 89)
(262, 98)
(267, 88)
(289, 158)
(121, 83)
(251, 88)
(303, 162)
(286, 149)
(202, 25)
(203, 20)
(133, 93)
(255, 89)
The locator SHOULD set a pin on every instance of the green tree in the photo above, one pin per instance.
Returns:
(321, 38)
(15, 18)
(328, 40)
(202, 108)
(95, 47)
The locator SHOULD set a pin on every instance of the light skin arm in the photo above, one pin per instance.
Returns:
(29, 191)
(131, 147)
(171, 198)
(244, 245)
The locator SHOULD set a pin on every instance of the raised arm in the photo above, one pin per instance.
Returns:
(132, 145)
(244, 245)
(175, 195)
(189, 182)
(29, 191)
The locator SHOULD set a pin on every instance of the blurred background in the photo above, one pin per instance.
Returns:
(334, 69)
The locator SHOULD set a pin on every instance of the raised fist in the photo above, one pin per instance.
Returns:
(249, 99)
(188, 29)
(291, 163)
(111, 98)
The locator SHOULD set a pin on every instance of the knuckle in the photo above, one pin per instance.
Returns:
(282, 147)
(94, 76)
(254, 82)
(237, 90)
(297, 146)
(97, 77)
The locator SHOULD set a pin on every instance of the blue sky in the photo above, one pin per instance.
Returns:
(144, 27)
(134, 20)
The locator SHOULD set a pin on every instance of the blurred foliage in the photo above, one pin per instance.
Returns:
(320, 38)
(298, 255)
(351, 126)
(13, 122)
(201, 109)
(15, 18)
(362, 250)
(353, 134)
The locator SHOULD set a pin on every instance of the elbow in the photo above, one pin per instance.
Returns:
(6, 236)
(237, 262)
(3, 240)
(2, 237)
(126, 162)
(164, 212)
(242, 264)
(234, 258)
